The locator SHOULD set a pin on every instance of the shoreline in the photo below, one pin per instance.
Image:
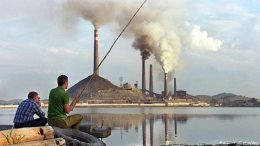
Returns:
(86, 105)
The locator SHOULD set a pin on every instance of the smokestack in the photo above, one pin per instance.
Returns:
(96, 61)
(143, 75)
(151, 80)
(175, 87)
(165, 85)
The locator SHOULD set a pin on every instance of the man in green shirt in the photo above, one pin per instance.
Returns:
(59, 106)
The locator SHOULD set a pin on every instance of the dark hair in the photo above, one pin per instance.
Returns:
(62, 79)
(32, 94)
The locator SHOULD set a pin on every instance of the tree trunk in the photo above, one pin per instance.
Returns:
(13, 136)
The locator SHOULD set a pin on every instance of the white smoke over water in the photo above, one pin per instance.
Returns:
(153, 31)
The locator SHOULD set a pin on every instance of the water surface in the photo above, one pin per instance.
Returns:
(168, 125)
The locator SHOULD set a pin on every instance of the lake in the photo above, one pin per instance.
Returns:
(167, 125)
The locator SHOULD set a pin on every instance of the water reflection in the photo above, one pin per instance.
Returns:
(166, 132)
(128, 121)
(175, 126)
(161, 126)
(151, 121)
(144, 131)
(147, 122)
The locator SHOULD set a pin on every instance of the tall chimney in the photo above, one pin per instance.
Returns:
(145, 55)
(143, 75)
(165, 85)
(96, 61)
(175, 87)
(151, 80)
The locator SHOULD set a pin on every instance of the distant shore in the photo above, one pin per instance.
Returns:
(85, 105)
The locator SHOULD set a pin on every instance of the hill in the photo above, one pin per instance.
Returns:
(224, 95)
(227, 99)
(11, 102)
(102, 89)
(91, 87)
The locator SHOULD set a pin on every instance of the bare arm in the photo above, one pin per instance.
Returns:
(69, 107)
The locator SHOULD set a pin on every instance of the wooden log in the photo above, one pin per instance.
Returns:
(19, 135)
(47, 132)
(49, 142)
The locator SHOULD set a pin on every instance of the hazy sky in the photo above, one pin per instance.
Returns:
(219, 51)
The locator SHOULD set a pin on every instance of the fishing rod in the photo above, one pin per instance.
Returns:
(112, 47)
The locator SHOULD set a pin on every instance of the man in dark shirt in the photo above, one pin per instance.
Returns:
(27, 109)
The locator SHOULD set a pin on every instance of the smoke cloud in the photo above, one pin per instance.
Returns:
(156, 38)
(194, 38)
(153, 31)
(99, 12)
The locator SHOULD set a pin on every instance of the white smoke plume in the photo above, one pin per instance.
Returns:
(154, 32)
(195, 38)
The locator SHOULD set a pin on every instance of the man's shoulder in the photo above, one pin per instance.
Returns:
(58, 89)
(53, 89)
(26, 103)
(58, 92)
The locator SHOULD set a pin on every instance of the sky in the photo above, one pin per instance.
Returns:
(218, 45)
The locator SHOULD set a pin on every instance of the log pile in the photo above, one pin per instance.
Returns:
(33, 136)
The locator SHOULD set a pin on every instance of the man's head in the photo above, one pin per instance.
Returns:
(34, 96)
(63, 81)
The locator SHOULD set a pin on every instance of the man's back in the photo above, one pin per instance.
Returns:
(57, 98)
(24, 116)
(26, 111)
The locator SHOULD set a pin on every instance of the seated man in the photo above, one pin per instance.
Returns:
(59, 106)
(27, 109)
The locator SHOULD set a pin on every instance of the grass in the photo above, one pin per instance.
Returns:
(13, 138)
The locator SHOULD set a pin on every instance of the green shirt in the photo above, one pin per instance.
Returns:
(57, 98)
